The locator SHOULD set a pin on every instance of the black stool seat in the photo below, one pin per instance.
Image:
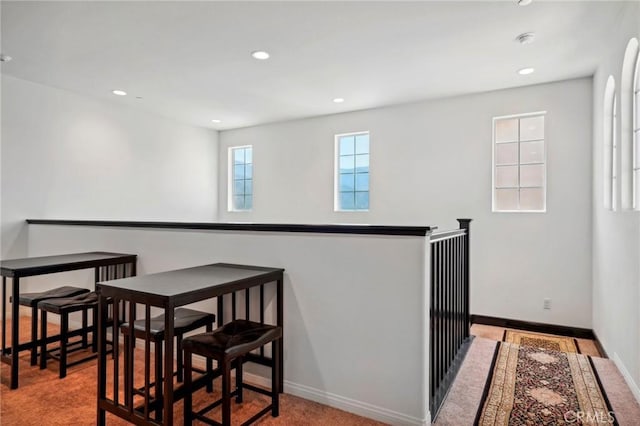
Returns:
(232, 340)
(64, 306)
(229, 345)
(32, 299)
(70, 304)
(184, 320)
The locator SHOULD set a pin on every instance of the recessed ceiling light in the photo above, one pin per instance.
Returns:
(119, 92)
(338, 100)
(524, 2)
(526, 71)
(260, 54)
(5, 58)
(216, 121)
(526, 38)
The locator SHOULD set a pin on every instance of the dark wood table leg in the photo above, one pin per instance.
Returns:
(280, 322)
(169, 313)
(102, 359)
(15, 331)
(4, 315)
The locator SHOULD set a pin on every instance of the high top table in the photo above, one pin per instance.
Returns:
(107, 266)
(169, 290)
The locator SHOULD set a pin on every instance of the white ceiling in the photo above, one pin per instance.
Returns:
(191, 60)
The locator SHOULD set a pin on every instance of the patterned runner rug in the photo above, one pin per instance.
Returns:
(556, 343)
(535, 383)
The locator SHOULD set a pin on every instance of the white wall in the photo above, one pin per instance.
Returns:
(69, 156)
(430, 164)
(355, 326)
(616, 235)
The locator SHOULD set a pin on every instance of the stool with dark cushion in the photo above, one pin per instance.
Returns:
(63, 307)
(228, 345)
(185, 320)
(32, 300)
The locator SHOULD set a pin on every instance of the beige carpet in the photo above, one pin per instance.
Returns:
(462, 402)
(43, 399)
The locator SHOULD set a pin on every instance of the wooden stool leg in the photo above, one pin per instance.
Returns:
(209, 363)
(85, 332)
(158, 383)
(226, 393)
(275, 379)
(34, 335)
(43, 340)
(187, 383)
(239, 380)
(179, 357)
(128, 385)
(94, 331)
(64, 328)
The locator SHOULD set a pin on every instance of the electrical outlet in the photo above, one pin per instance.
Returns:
(547, 304)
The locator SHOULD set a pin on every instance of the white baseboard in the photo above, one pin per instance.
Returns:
(347, 404)
(635, 390)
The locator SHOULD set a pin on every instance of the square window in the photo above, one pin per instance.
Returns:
(347, 163)
(506, 130)
(362, 200)
(347, 182)
(238, 186)
(347, 200)
(506, 153)
(362, 182)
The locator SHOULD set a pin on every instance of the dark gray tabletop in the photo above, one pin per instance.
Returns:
(218, 276)
(58, 263)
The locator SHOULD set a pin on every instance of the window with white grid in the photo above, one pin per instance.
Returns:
(352, 172)
(240, 178)
(519, 163)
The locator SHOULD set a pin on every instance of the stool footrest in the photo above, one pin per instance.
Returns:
(214, 404)
(209, 421)
(261, 413)
(256, 389)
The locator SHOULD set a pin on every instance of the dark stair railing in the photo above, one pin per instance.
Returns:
(449, 336)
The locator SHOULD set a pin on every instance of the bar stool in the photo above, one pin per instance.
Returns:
(228, 345)
(185, 320)
(63, 307)
(32, 299)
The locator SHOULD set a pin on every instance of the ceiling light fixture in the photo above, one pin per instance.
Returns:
(526, 71)
(119, 92)
(338, 100)
(526, 38)
(216, 121)
(260, 54)
(524, 2)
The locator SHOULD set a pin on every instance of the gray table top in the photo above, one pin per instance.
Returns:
(179, 282)
(57, 263)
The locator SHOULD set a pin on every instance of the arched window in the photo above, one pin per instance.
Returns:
(610, 148)
(628, 125)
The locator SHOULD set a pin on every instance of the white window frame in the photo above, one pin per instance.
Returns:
(614, 154)
(609, 159)
(230, 179)
(493, 161)
(635, 168)
(336, 172)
